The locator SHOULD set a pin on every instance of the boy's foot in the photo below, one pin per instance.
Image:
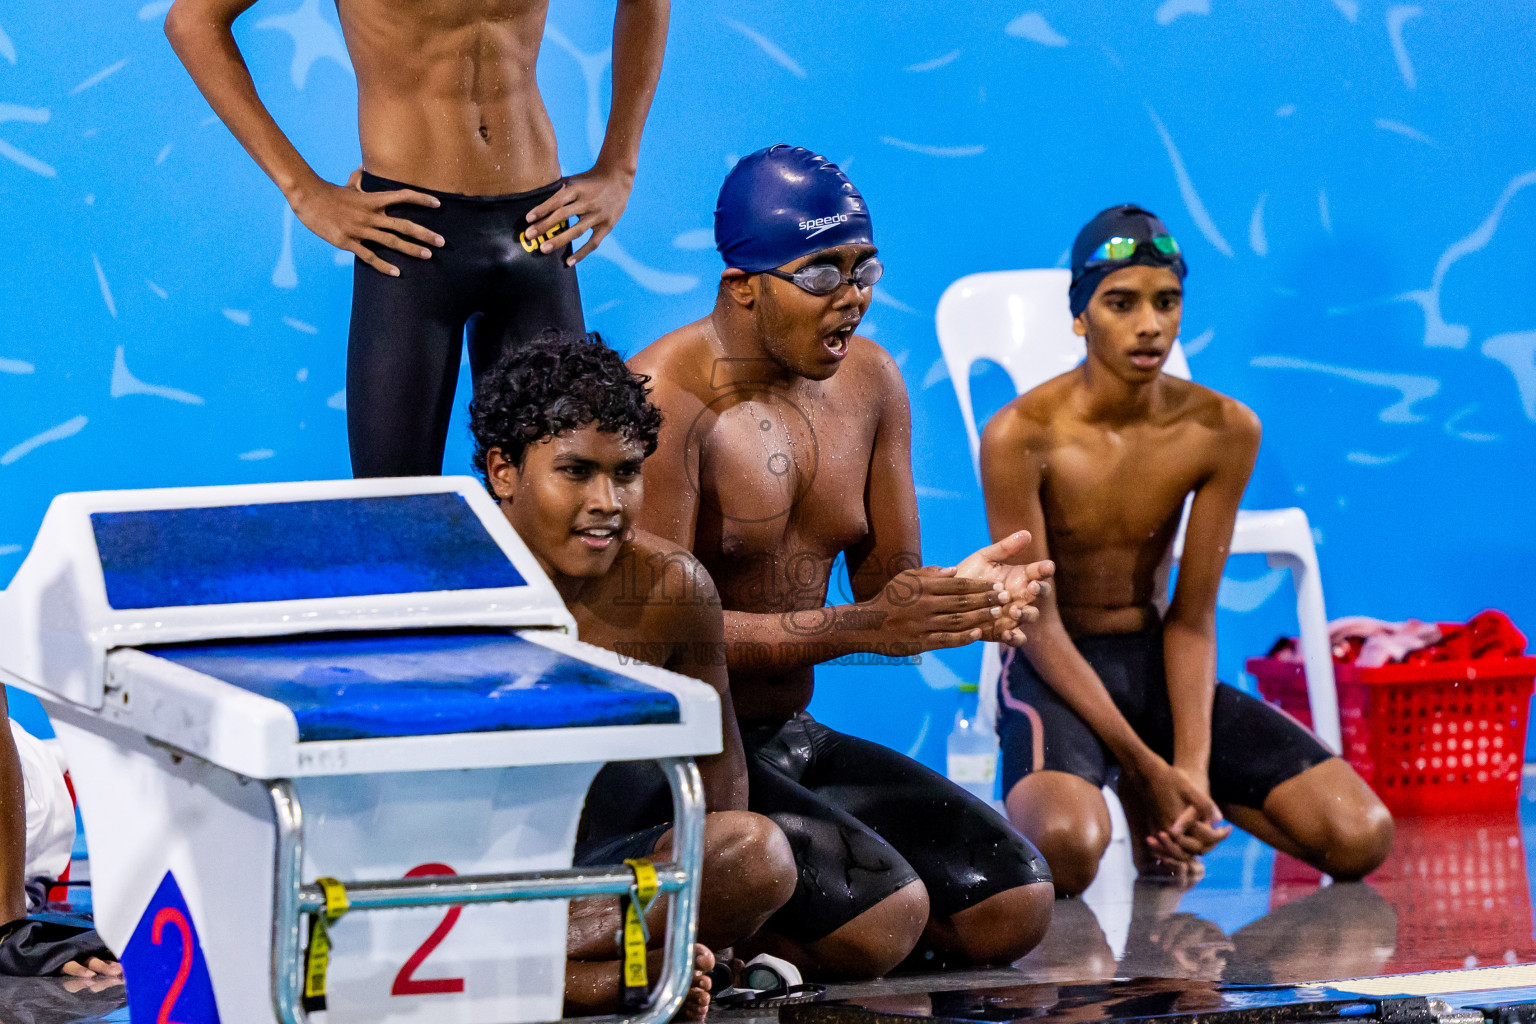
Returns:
(595, 987)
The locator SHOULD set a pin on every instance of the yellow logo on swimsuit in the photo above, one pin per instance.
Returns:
(532, 245)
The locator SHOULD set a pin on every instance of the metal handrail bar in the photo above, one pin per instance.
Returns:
(461, 889)
(292, 899)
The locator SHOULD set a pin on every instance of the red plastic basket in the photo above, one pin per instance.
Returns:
(1441, 737)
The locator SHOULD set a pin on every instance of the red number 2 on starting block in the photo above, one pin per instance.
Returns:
(405, 982)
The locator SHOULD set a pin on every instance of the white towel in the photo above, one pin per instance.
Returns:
(50, 811)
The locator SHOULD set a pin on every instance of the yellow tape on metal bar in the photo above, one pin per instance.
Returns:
(317, 958)
(336, 902)
(636, 935)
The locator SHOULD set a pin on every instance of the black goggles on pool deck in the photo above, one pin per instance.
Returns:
(1119, 249)
(824, 278)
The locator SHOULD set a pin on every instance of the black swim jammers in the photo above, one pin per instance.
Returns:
(1254, 747)
(862, 821)
(406, 340)
(865, 821)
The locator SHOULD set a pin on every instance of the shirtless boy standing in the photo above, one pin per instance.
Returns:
(562, 430)
(1096, 464)
(787, 442)
(458, 157)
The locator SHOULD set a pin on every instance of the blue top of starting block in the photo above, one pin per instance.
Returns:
(425, 684)
(295, 550)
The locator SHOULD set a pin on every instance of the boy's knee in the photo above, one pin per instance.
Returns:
(1066, 818)
(1358, 844)
(1008, 925)
(882, 936)
(1342, 826)
(877, 940)
(752, 852)
(1072, 845)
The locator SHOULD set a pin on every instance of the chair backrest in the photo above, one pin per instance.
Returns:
(1020, 320)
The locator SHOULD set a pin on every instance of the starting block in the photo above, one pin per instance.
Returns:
(265, 688)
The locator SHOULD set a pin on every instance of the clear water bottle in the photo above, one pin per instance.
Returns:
(972, 748)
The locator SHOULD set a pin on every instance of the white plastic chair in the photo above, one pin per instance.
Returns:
(1020, 320)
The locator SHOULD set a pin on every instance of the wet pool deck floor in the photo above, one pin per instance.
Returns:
(1455, 894)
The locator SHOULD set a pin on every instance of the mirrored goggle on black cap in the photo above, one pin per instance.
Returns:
(1119, 249)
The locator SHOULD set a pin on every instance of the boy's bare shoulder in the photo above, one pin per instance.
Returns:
(671, 570)
(868, 361)
(649, 545)
(1030, 419)
(661, 351)
(1222, 414)
(678, 363)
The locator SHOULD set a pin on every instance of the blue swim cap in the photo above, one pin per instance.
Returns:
(1124, 221)
(781, 203)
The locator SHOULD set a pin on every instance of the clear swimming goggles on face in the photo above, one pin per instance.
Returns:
(824, 278)
(1119, 249)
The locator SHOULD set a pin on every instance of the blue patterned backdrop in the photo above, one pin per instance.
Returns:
(1351, 182)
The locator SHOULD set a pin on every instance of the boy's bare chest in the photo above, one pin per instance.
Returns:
(1120, 488)
(780, 478)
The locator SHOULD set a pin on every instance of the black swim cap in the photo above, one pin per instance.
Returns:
(1124, 221)
(784, 202)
